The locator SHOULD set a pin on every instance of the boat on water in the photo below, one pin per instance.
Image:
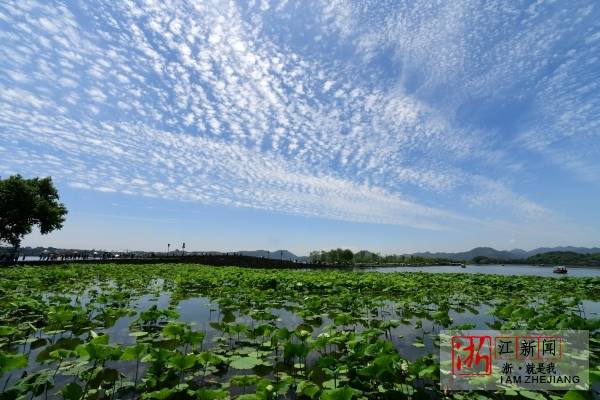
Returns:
(560, 269)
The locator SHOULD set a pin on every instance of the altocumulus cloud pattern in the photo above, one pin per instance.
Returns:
(403, 112)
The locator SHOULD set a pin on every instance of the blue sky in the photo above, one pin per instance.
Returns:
(395, 126)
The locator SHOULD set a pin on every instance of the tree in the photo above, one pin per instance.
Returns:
(314, 257)
(25, 203)
(347, 256)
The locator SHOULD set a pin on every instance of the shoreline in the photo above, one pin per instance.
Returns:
(261, 263)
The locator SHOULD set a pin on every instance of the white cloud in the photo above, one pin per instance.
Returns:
(195, 102)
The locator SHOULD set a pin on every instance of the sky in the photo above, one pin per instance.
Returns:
(393, 126)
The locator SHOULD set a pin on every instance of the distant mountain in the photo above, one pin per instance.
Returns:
(520, 253)
(469, 255)
(488, 252)
(565, 258)
(578, 250)
(276, 255)
(514, 254)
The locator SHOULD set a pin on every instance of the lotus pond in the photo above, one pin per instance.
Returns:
(198, 332)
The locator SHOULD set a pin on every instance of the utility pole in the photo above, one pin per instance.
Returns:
(168, 248)
(183, 249)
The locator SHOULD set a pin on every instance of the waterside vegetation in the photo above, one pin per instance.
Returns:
(195, 332)
(347, 257)
(551, 258)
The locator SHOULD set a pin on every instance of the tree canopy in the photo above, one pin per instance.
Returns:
(565, 258)
(25, 203)
(346, 256)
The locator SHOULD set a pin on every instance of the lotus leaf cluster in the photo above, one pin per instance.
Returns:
(197, 332)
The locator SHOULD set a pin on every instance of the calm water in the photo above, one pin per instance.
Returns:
(490, 269)
(200, 311)
(497, 269)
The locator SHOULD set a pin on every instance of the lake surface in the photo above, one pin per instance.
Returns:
(331, 311)
(497, 269)
(533, 270)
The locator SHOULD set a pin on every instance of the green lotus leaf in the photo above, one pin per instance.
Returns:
(181, 362)
(162, 394)
(344, 393)
(209, 358)
(8, 331)
(244, 380)
(9, 362)
(211, 394)
(247, 396)
(134, 352)
(578, 395)
(308, 389)
(72, 391)
(531, 395)
(245, 362)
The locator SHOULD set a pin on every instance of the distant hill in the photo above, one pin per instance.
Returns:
(520, 253)
(515, 254)
(578, 250)
(565, 258)
(476, 252)
(276, 255)
(487, 252)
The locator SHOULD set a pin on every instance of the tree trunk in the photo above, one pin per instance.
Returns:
(15, 254)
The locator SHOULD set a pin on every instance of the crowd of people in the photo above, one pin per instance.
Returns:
(63, 256)
(10, 257)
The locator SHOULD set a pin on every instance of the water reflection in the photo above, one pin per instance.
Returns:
(529, 270)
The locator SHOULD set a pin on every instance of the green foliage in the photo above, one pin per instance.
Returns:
(335, 256)
(98, 349)
(211, 394)
(344, 393)
(134, 352)
(552, 258)
(245, 362)
(346, 257)
(565, 258)
(25, 203)
(324, 334)
(182, 362)
(71, 391)
(8, 362)
(308, 389)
